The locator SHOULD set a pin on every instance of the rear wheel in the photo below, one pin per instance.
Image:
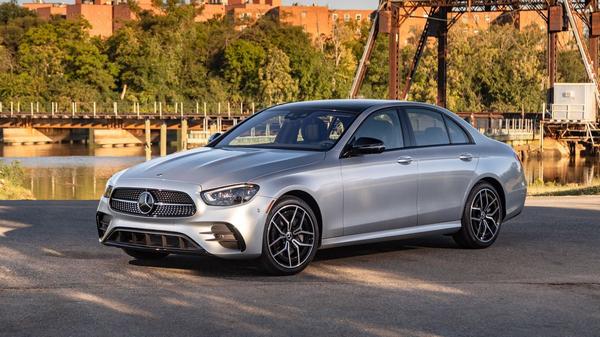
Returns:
(481, 219)
(144, 254)
(291, 237)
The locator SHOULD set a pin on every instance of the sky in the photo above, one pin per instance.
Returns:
(354, 4)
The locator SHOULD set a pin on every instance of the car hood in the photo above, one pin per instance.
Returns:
(211, 168)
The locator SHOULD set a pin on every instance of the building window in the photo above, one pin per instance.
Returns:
(358, 17)
(258, 15)
(347, 17)
(303, 14)
(487, 18)
(334, 17)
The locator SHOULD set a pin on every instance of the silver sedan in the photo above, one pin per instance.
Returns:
(300, 177)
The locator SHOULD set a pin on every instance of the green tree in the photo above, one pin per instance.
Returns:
(308, 64)
(275, 82)
(11, 10)
(569, 66)
(339, 51)
(243, 59)
(60, 56)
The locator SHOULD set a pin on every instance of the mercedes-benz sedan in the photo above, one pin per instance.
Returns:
(300, 177)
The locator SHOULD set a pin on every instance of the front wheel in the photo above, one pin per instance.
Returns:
(145, 254)
(481, 219)
(291, 237)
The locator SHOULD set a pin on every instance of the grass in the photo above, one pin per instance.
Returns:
(539, 188)
(11, 182)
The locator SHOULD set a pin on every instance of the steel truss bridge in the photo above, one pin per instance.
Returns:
(559, 15)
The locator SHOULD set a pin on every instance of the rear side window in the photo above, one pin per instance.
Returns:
(428, 127)
(457, 134)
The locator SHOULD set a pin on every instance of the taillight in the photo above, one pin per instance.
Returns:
(518, 160)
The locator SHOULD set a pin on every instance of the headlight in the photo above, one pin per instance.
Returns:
(230, 195)
(108, 191)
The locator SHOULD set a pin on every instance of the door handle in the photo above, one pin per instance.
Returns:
(405, 160)
(466, 157)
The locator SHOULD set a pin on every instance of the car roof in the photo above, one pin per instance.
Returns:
(347, 105)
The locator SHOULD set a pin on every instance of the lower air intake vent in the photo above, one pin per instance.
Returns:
(169, 242)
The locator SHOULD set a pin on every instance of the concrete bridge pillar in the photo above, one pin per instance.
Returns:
(182, 136)
(163, 139)
(30, 136)
(148, 140)
(115, 137)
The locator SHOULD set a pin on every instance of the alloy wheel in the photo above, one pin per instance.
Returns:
(291, 236)
(485, 215)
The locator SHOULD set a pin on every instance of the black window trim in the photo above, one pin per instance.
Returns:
(413, 144)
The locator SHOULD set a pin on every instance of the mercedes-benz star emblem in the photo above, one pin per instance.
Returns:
(146, 202)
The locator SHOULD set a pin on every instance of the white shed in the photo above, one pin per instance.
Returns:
(574, 102)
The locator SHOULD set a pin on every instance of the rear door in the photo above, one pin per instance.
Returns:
(447, 163)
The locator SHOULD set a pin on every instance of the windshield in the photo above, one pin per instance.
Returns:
(281, 128)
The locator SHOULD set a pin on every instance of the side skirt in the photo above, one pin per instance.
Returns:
(392, 234)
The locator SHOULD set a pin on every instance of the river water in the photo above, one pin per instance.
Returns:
(76, 171)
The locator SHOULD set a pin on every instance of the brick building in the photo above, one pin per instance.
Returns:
(99, 13)
(46, 10)
(106, 16)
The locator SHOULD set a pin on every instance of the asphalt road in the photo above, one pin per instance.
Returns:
(541, 278)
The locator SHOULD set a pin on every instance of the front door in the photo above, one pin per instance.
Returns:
(380, 190)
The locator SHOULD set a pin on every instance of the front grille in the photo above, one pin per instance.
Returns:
(141, 239)
(168, 204)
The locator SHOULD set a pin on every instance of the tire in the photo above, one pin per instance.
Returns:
(145, 254)
(480, 229)
(288, 249)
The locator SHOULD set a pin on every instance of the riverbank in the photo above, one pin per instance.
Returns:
(11, 179)
(553, 189)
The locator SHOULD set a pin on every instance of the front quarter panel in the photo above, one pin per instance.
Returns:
(322, 181)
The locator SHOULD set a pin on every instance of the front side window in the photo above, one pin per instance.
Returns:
(300, 129)
(384, 126)
(428, 127)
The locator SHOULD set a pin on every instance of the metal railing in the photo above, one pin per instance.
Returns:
(513, 129)
(126, 108)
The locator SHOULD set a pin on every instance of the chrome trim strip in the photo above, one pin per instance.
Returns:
(123, 200)
(156, 203)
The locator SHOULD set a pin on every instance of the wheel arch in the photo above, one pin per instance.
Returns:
(499, 188)
(312, 202)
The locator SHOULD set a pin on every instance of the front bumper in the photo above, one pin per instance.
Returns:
(205, 229)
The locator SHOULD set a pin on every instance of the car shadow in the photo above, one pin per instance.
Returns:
(211, 266)
(205, 265)
(439, 241)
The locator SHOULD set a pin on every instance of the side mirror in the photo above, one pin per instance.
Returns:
(213, 137)
(367, 145)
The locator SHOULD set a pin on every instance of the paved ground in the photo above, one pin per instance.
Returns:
(541, 278)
